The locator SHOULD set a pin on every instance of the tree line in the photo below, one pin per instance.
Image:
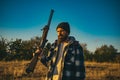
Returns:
(23, 50)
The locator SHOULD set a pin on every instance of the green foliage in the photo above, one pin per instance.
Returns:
(3, 47)
(23, 50)
(105, 53)
(87, 54)
(18, 49)
(117, 58)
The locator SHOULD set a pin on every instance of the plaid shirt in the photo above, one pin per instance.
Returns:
(73, 68)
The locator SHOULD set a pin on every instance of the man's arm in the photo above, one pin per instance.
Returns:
(45, 59)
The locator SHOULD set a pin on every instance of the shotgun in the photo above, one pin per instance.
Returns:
(43, 41)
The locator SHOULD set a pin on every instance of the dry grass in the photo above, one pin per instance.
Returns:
(15, 70)
(102, 71)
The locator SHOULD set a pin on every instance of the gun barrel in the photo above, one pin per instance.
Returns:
(50, 17)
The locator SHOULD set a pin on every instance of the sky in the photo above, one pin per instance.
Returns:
(94, 22)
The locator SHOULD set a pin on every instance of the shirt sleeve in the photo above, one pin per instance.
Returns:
(45, 59)
(79, 63)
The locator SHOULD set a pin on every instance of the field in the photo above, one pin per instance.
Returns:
(15, 70)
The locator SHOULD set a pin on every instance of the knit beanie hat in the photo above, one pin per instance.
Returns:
(65, 26)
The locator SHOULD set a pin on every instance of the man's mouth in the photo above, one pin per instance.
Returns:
(60, 36)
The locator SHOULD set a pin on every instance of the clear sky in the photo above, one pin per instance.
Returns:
(95, 22)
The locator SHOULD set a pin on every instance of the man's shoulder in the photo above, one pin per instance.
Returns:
(77, 44)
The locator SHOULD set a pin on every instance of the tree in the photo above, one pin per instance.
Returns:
(105, 53)
(30, 46)
(3, 48)
(117, 58)
(15, 48)
(87, 54)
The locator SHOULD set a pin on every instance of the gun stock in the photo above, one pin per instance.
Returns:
(43, 41)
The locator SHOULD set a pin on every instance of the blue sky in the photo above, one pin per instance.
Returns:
(95, 22)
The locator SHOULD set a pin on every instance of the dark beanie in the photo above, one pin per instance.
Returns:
(65, 26)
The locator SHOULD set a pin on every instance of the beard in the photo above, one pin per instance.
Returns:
(62, 38)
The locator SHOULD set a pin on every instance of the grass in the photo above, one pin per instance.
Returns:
(15, 70)
(102, 71)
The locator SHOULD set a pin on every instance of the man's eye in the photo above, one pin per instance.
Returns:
(62, 30)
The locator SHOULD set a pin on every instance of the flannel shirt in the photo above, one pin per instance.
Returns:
(73, 68)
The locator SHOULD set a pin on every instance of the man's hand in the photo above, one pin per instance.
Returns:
(38, 51)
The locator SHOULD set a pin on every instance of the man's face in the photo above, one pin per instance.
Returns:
(62, 34)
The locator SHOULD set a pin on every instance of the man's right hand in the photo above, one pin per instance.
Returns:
(38, 51)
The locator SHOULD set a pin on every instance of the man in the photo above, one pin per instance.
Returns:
(65, 57)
